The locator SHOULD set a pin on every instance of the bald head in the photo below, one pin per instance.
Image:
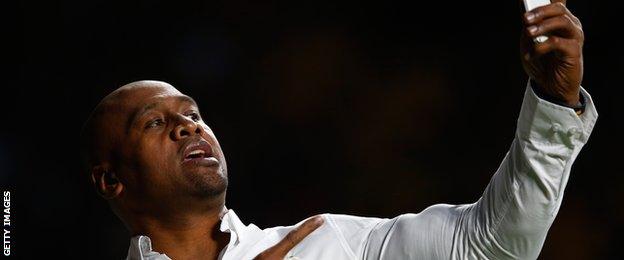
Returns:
(102, 128)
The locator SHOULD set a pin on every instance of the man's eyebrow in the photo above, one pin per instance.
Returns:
(187, 99)
(140, 112)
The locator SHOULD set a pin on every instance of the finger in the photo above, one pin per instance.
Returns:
(568, 12)
(279, 250)
(559, 26)
(559, 1)
(544, 12)
(299, 233)
(562, 46)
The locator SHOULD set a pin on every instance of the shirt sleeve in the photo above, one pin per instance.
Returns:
(512, 217)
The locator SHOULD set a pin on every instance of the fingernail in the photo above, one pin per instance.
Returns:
(529, 16)
(532, 29)
(319, 221)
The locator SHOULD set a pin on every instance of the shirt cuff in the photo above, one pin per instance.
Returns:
(547, 122)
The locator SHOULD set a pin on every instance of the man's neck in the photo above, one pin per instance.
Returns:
(185, 235)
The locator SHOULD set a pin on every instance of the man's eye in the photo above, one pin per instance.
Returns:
(154, 123)
(195, 116)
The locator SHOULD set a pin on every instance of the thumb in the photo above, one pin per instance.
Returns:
(279, 250)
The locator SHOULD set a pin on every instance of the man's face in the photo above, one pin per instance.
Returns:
(164, 150)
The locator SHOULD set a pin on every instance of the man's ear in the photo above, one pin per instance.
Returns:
(106, 182)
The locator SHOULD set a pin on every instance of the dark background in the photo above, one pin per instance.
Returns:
(372, 109)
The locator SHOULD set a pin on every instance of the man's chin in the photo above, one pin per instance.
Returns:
(207, 182)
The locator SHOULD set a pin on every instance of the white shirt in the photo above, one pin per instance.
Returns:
(509, 221)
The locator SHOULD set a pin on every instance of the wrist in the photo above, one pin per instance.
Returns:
(573, 100)
(576, 102)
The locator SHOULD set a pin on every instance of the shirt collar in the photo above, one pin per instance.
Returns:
(230, 223)
(141, 246)
(141, 249)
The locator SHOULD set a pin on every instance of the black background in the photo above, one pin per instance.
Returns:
(372, 109)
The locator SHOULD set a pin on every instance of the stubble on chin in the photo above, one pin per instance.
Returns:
(208, 185)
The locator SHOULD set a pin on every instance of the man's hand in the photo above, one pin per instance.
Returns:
(279, 250)
(556, 64)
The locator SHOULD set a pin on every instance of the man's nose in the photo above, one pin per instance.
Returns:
(185, 127)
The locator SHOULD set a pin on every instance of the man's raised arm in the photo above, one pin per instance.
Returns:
(512, 218)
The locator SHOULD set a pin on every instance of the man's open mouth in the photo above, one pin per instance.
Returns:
(195, 154)
(200, 153)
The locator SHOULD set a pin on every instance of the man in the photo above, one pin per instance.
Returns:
(163, 173)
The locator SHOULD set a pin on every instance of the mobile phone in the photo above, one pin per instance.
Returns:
(532, 4)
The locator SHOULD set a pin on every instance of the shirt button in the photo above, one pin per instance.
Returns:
(574, 131)
(555, 127)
